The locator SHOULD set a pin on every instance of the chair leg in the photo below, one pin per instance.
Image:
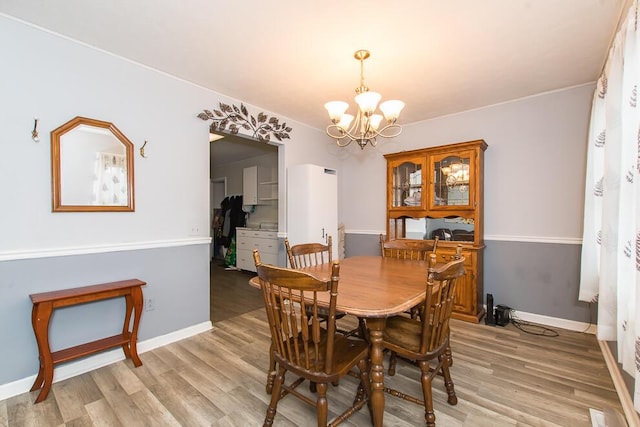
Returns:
(427, 392)
(448, 349)
(275, 396)
(362, 329)
(392, 363)
(414, 312)
(322, 407)
(272, 371)
(452, 399)
(364, 388)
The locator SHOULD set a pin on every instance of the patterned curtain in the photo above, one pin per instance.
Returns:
(110, 180)
(610, 270)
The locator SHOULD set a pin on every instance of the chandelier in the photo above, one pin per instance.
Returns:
(364, 128)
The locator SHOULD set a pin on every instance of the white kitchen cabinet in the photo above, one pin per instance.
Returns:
(312, 205)
(248, 239)
(250, 185)
(258, 188)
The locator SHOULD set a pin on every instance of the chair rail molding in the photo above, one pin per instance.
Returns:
(95, 249)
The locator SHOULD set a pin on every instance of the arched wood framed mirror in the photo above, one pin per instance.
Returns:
(91, 167)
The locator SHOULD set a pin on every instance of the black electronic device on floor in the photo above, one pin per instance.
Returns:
(490, 319)
(502, 315)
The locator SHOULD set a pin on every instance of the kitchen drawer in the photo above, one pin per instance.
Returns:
(244, 259)
(262, 245)
(263, 234)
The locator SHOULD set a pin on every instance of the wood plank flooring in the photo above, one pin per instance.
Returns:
(502, 376)
(231, 294)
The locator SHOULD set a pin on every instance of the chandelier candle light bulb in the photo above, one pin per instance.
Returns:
(364, 127)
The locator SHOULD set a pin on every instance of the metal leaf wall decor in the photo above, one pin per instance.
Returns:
(231, 118)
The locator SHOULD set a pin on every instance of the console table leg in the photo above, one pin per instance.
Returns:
(40, 378)
(136, 298)
(126, 347)
(40, 317)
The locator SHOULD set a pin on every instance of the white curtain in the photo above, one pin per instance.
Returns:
(110, 180)
(610, 271)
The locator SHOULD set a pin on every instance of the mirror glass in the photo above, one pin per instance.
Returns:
(92, 167)
(447, 229)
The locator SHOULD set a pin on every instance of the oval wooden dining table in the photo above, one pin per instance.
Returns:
(374, 288)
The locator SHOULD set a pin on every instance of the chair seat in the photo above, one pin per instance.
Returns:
(403, 332)
(345, 351)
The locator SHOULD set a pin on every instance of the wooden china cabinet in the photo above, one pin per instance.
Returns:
(438, 191)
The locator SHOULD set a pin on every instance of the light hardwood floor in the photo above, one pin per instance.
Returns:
(502, 376)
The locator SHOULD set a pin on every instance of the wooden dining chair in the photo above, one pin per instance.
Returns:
(309, 254)
(411, 249)
(300, 256)
(300, 346)
(426, 340)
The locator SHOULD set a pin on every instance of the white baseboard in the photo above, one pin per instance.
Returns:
(571, 325)
(621, 389)
(99, 360)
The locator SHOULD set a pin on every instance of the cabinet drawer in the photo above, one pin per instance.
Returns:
(249, 233)
(263, 245)
(244, 260)
(444, 255)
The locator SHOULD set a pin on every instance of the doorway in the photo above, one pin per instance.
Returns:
(230, 293)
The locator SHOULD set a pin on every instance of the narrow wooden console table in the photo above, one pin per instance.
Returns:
(43, 305)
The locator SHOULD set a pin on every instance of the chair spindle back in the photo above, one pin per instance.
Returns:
(308, 254)
(438, 304)
(411, 249)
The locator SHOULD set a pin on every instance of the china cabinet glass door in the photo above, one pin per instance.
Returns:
(453, 186)
(407, 184)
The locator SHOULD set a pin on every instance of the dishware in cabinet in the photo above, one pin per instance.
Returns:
(407, 184)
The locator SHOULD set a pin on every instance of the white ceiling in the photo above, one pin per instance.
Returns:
(290, 56)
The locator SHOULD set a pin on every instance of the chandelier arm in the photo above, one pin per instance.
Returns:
(394, 130)
(340, 133)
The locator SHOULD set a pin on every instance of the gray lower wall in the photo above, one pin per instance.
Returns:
(177, 281)
(539, 278)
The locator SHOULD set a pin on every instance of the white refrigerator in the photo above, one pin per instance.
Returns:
(312, 205)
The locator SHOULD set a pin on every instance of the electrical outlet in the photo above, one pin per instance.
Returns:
(149, 304)
(195, 230)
